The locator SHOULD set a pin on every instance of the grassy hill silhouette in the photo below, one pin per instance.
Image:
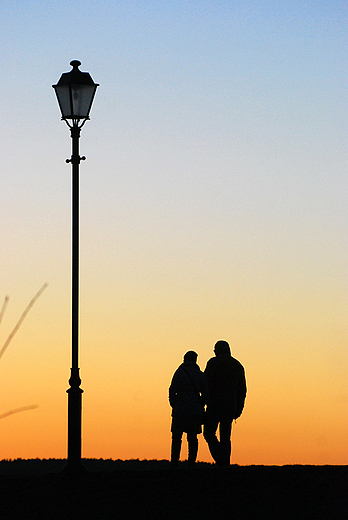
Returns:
(133, 489)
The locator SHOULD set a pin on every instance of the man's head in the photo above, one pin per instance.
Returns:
(190, 356)
(222, 348)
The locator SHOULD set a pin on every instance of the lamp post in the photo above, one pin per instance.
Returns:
(75, 92)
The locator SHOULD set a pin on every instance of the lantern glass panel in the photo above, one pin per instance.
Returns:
(63, 96)
(81, 98)
(75, 101)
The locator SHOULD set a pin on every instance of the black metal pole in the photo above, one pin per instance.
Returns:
(74, 464)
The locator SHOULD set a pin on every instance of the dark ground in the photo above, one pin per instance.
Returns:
(151, 489)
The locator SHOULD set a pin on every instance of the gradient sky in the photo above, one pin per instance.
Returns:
(213, 206)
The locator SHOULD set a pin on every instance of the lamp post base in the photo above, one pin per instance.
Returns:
(74, 465)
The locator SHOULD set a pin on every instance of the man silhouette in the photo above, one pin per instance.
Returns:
(188, 393)
(227, 392)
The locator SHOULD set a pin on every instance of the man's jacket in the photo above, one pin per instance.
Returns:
(227, 385)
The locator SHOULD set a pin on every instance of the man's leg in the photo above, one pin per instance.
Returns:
(176, 447)
(225, 440)
(209, 433)
(192, 442)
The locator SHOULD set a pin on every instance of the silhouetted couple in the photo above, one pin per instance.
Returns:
(221, 388)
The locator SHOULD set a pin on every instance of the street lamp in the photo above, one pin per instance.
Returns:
(75, 92)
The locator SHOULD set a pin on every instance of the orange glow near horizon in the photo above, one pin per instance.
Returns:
(289, 416)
